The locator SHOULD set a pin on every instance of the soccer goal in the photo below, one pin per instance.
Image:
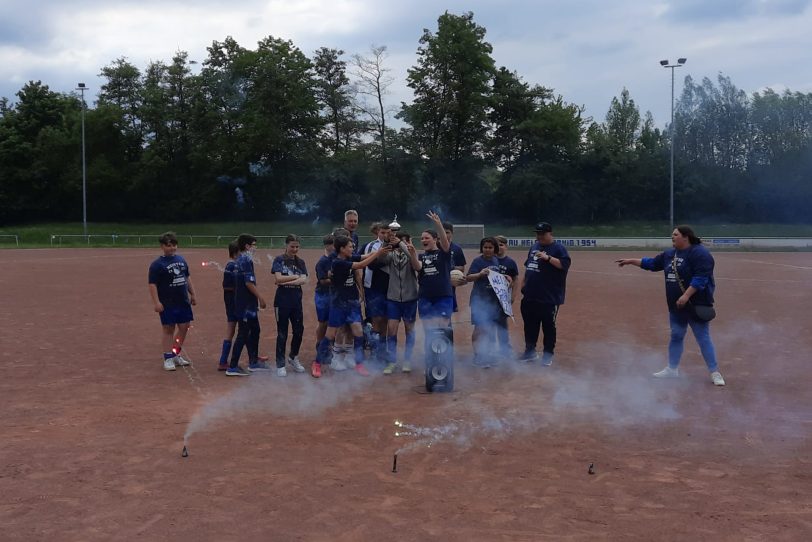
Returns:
(468, 234)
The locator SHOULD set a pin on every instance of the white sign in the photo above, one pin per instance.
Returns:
(501, 287)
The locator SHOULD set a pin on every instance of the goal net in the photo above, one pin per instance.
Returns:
(468, 235)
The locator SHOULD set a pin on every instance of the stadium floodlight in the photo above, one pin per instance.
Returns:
(666, 64)
(82, 88)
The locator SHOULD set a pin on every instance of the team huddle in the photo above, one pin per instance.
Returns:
(362, 294)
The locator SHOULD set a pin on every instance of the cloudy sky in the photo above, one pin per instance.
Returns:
(586, 50)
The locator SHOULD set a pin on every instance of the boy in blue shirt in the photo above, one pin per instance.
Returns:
(247, 302)
(229, 278)
(345, 305)
(321, 297)
(508, 267)
(173, 295)
(290, 273)
(457, 257)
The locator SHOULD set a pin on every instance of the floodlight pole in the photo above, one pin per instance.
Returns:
(81, 88)
(666, 64)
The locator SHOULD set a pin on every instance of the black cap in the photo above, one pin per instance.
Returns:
(543, 227)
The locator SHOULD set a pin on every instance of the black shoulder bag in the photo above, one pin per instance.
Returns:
(705, 313)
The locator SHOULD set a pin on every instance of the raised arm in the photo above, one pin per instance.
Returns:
(445, 244)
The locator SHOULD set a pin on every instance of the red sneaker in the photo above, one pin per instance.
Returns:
(315, 369)
(361, 370)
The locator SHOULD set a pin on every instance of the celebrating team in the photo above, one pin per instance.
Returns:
(397, 285)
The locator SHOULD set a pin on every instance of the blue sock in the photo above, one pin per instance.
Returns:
(324, 351)
(358, 347)
(169, 355)
(225, 351)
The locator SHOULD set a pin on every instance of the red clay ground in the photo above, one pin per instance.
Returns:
(92, 427)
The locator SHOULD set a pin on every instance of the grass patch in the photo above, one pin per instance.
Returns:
(205, 234)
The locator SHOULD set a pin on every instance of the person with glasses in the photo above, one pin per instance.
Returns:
(543, 291)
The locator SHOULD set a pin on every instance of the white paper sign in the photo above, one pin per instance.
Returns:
(501, 288)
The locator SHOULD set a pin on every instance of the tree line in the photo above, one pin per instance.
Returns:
(270, 133)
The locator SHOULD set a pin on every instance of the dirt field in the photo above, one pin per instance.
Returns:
(92, 427)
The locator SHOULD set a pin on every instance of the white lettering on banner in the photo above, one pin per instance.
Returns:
(584, 243)
(501, 288)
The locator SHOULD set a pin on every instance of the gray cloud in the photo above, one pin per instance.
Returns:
(703, 11)
(587, 51)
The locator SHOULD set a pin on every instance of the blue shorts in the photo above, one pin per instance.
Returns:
(347, 314)
(376, 303)
(228, 301)
(401, 310)
(435, 307)
(176, 315)
(322, 306)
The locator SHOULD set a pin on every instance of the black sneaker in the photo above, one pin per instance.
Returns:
(547, 359)
(529, 355)
(237, 371)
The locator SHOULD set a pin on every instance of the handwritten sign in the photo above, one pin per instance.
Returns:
(501, 288)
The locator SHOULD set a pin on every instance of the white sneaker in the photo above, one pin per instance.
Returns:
(337, 363)
(281, 371)
(180, 361)
(349, 359)
(169, 364)
(668, 372)
(717, 379)
(296, 364)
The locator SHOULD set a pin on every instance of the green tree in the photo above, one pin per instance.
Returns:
(334, 93)
(513, 102)
(451, 84)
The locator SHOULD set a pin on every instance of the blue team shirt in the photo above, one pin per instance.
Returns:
(323, 272)
(457, 256)
(695, 267)
(229, 283)
(170, 276)
(288, 296)
(482, 289)
(355, 248)
(544, 282)
(345, 292)
(508, 266)
(245, 302)
(434, 279)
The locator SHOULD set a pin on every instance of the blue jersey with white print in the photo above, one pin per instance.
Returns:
(288, 296)
(434, 279)
(245, 302)
(229, 283)
(543, 282)
(508, 266)
(345, 291)
(323, 272)
(482, 288)
(695, 267)
(170, 276)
